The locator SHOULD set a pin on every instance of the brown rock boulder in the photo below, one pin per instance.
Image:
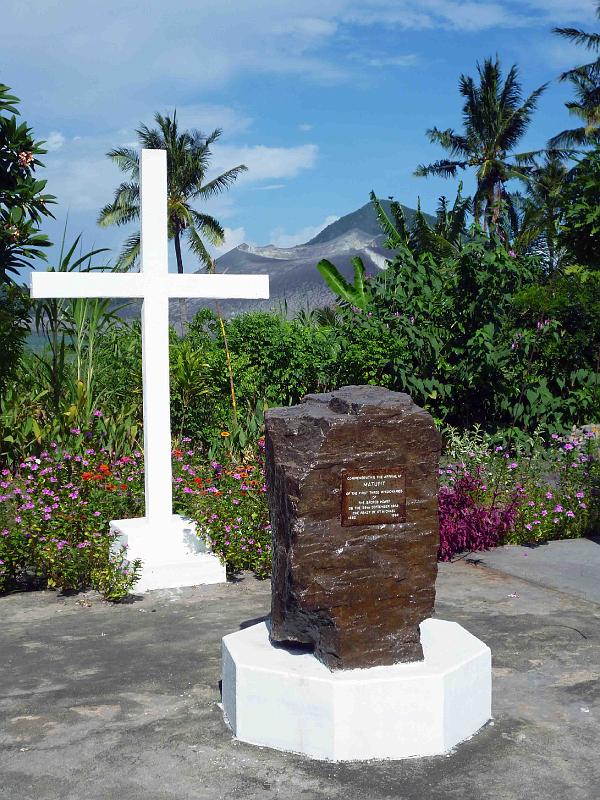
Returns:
(352, 489)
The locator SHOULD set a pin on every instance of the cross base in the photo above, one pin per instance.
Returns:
(172, 555)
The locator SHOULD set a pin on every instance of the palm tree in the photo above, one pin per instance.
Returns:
(495, 118)
(586, 83)
(542, 209)
(188, 158)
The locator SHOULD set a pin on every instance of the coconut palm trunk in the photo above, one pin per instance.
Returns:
(183, 308)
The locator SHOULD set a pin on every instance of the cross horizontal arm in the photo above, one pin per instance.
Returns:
(140, 284)
(219, 287)
(87, 284)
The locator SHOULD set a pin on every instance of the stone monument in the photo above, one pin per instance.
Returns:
(351, 665)
(352, 487)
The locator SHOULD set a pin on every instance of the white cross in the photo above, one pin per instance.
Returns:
(154, 285)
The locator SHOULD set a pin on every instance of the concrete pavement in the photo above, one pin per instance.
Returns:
(99, 702)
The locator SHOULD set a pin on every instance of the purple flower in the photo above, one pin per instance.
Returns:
(558, 509)
(97, 412)
(570, 514)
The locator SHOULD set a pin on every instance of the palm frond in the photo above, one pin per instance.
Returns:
(209, 227)
(130, 253)
(198, 247)
(221, 183)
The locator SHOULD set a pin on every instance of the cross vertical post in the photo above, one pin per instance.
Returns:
(155, 337)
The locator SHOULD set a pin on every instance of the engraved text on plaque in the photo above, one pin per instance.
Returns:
(374, 497)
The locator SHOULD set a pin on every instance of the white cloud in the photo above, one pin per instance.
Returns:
(125, 60)
(271, 187)
(305, 127)
(280, 238)
(54, 141)
(207, 117)
(408, 60)
(265, 163)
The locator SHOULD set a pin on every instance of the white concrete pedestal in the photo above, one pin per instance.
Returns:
(290, 701)
(172, 554)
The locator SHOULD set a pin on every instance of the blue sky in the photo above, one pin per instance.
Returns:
(323, 101)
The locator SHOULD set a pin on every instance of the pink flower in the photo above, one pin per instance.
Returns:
(570, 514)
(558, 509)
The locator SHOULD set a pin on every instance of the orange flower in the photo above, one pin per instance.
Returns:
(104, 468)
(199, 481)
(177, 453)
(87, 475)
(123, 486)
(111, 487)
(225, 434)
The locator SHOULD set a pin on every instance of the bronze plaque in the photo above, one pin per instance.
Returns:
(374, 497)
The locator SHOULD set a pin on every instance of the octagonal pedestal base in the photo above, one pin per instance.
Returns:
(288, 700)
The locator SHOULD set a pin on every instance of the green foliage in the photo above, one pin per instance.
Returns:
(60, 389)
(495, 119)
(443, 321)
(579, 234)
(14, 327)
(584, 81)
(23, 203)
(353, 293)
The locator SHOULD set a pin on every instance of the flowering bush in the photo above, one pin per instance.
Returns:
(229, 505)
(54, 515)
(471, 519)
(492, 493)
(55, 509)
